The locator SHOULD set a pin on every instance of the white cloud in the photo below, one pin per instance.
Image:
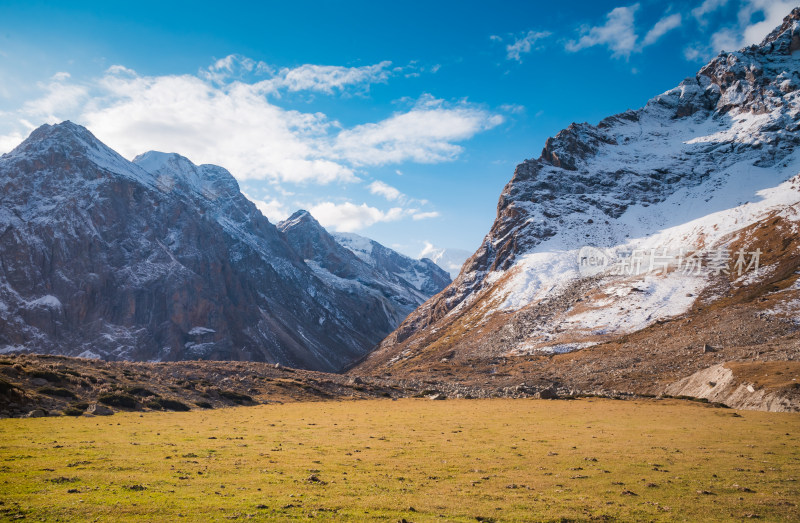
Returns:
(59, 96)
(233, 126)
(327, 78)
(307, 77)
(693, 53)
(618, 33)
(425, 134)
(236, 125)
(726, 40)
(524, 44)
(662, 27)
(424, 215)
(429, 250)
(9, 141)
(385, 190)
(349, 217)
(273, 209)
(773, 13)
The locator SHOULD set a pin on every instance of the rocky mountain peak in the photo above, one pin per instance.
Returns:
(66, 135)
(300, 218)
(174, 171)
(74, 150)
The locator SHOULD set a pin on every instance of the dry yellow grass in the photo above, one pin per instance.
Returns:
(418, 460)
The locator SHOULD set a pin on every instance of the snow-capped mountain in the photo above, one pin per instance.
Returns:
(364, 267)
(424, 275)
(158, 259)
(688, 203)
(448, 259)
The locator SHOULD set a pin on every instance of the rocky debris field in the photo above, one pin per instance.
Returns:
(45, 385)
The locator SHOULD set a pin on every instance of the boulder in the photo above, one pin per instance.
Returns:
(99, 410)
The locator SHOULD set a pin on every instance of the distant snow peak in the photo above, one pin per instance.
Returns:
(451, 260)
(349, 260)
(173, 171)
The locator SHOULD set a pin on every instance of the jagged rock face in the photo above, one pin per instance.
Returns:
(622, 179)
(390, 282)
(157, 260)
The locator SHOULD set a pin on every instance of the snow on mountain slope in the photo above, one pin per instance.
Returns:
(365, 267)
(696, 172)
(424, 276)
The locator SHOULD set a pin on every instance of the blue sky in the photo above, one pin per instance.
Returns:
(399, 121)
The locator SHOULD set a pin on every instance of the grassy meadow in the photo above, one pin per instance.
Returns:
(413, 460)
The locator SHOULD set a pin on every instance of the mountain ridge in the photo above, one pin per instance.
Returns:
(158, 259)
(699, 167)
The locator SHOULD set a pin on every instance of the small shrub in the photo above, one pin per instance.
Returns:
(46, 375)
(71, 411)
(154, 404)
(58, 392)
(235, 397)
(140, 391)
(174, 405)
(167, 404)
(63, 479)
(5, 386)
(117, 399)
(204, 404)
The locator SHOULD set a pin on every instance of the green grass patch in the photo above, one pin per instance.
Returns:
(418, 460)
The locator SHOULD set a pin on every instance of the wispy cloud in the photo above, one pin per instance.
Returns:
(326, 79)
(425, 215)
(706, 8)
(662, 27)
(524, 44)
(329, 78)
(620, 34)
(513, 108)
